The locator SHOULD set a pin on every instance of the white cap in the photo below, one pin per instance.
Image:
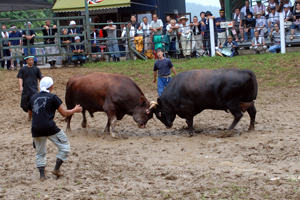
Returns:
(28, 23)
(286, 5)
(46, 83)
(77, 38)
(72, 22)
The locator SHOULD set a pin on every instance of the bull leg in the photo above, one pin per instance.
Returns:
(107, 128)
(236, 112)
(68, 120)
(252, 113)
(83, 123)
(111, 114)
(113, 124)
(190, 126)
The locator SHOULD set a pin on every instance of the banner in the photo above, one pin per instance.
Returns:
(94, 1)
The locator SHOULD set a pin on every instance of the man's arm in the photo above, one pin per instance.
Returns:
(66, 113)
(174, 71)
(154, 76)
(20, 84)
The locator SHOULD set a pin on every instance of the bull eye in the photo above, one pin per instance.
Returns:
(147, 111)
(159, 114)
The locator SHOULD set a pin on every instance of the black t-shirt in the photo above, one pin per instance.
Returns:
(31, 32)
(30, 76)
(163, 67)
(43, 106)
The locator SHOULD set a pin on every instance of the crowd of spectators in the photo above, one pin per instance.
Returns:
(176, 36)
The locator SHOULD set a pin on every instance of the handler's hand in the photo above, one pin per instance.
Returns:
(154, 80)
(21, 89)
(77, 108)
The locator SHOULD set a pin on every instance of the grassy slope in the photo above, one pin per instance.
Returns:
(272, 70)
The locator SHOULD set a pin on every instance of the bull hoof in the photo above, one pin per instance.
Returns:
(83, 124)
(251, 129)
(106, 130)
(68, 130)
(113, 135)
(191, 134)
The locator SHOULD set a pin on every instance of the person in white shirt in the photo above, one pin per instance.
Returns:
(172, 31)
(145, 26)
(259, 7)
(197, 37)
(261, 24)
(185, 33)
(247, 8)
(156, 25)
(272, 4)
(131, 35)
(6, 52)
(273, 18)
(258, 44)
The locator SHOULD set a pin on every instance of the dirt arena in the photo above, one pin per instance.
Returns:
(156, 163)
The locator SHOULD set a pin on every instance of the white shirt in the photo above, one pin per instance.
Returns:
(173, 33)
(273, 17)
(157, 24)
(146, 28)
(261, 22)
(261, 9)
(185, 29)
(131, 32)
(245, 12)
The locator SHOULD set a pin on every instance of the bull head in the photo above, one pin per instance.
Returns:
(152, 105)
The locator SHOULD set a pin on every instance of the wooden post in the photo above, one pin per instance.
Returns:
(88, 33)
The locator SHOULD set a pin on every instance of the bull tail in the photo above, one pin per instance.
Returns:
(245, 105)
(253, 76)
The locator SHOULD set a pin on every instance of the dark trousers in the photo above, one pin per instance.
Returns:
(6, 53)
(172, 47)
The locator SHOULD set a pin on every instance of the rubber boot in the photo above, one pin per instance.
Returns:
(35, 63)
(42, 173)
(51, 64)
(54, 64)
(15, 65)
(118, 59)
(56, 168)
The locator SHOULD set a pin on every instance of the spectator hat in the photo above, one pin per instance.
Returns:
(183, 17)
(258, 13)
(221, 10)
(77, 38)
(72, 22)
(28, 57)
(286, 5)
(28, 23)
(13, 27)
(159, 49)
(208, 13)
(46, 83)
(272, 8)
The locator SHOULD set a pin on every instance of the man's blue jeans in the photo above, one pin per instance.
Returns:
(32, 52)
(251, 32)
(273, 48)
(161, 84)
(76, 58)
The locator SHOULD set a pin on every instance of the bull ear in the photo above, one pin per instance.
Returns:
(143, 100)
(159, 101)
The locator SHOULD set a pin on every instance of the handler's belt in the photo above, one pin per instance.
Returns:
(168, 76)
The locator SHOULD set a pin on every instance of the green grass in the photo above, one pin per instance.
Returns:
(272, 70)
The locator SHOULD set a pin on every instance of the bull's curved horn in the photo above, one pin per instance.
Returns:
(153, 104)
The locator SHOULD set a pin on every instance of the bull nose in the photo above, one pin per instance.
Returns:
(170, 126)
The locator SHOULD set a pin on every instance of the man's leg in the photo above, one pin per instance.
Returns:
(54, 58)
(40, 147)
(183, 45)
(116, 49)
(62, 143)
(74, 60)
(160, 86)
(33, 52)
(199, 44)
(82, 59)
(253, 49)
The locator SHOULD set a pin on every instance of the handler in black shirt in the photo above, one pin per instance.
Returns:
(42, 107)
(28, 81)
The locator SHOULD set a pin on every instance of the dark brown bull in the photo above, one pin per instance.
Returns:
(115, 94)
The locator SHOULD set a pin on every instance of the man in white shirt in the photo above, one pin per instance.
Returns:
(247, 8)
(259, 7)
(237, 24)
(156, 25)
(131, 35)
(258, 44)
(6, 52)
(145, 26)
(261, 24)
(172, 31)
(197, 37)
(185, 33)
(273, 18)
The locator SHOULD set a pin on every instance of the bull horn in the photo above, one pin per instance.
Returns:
(153, 104)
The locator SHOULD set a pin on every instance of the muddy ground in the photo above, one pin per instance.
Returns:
(156, 163)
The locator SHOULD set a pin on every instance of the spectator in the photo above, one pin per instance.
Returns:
(131, 35)
(168, 21)
(237, 24)
(185, 33)
(5, 43)
(197, 37)
(172, 31)
(43, 127)
(205, 29)
(50, 31)
(287, 17)
(259, 7)
(249, 26)
(202, 16)
(275, 37)
(221, 31)
(271, 4)
(164, 67)
(73, 31)
(258, 44)
(296, 18)
(112, 44)
(15, 43)
(28, 77)
(273, 18)
(247, 8)
(65, 47)
(156, 25)
(31, 35)
(261, 24)
(145, 26)
(135, 24)
(231, 45)
(96, 49)
(295, 5)
(283, 3)
(77, 50)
